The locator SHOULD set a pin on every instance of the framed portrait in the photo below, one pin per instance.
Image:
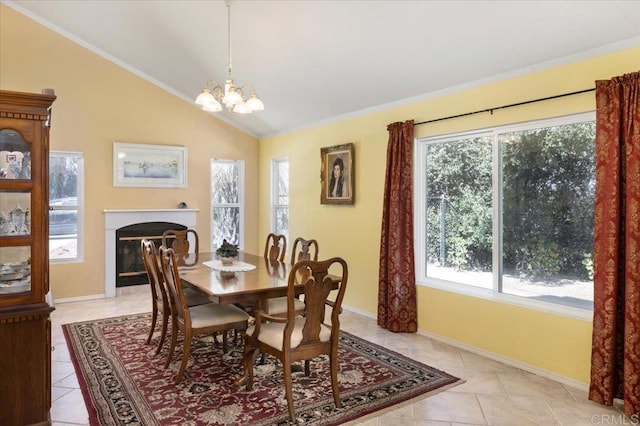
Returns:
(337, 174)
(151, 166)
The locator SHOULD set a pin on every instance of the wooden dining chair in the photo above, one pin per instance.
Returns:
(160, 300)
(178, 240)
(276, 247)
(196, 320)
(302, 250)
(294, 338)
(274, 251)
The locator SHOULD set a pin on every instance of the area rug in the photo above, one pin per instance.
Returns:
(124, 383)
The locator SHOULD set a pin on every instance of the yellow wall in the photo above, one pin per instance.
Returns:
(558, 344)
(99, 103)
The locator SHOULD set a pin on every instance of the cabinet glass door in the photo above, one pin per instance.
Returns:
(15, 213)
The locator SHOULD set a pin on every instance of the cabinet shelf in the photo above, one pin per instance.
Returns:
(15, 185)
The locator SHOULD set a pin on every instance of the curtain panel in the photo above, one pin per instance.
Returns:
(397, 282)
(615, 359)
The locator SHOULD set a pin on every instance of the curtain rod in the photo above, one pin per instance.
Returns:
(505, 106)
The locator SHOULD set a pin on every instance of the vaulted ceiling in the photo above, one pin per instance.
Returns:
(315, 61)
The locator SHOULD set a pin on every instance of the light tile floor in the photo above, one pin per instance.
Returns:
(494, 393)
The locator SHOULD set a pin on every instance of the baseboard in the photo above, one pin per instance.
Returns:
(491, 355)
(79, 298)
(358, 311)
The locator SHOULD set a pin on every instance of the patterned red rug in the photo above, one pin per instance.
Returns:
(123, 382)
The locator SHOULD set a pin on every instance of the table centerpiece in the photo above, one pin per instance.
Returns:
(227, 252)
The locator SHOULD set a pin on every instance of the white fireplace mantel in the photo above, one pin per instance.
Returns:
(116, 219)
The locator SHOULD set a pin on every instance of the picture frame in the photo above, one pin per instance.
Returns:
(338, 187)
(149, 166)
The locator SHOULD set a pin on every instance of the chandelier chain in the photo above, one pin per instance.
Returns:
(228, 3)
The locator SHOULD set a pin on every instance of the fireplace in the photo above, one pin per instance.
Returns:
(116, 220)
(130, 268)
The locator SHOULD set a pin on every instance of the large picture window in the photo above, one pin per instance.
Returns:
(227, 202)
(508, 212)
(66, 175)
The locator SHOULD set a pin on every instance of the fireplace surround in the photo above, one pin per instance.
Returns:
(116, 219)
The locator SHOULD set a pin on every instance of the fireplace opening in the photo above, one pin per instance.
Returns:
(129, 264)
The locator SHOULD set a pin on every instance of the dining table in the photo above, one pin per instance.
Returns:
(250, 279)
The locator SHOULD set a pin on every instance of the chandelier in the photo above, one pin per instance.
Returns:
(234, 98)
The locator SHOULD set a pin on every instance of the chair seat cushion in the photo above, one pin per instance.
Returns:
(271, 333)
(278, 305)
(213, 314)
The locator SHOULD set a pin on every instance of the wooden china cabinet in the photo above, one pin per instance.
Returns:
(25, 302)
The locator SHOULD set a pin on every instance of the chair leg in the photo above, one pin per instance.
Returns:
(225, 346)
(163, 332)
(286, 368)
(186, 349)
(174, 336)
(154, 317)
(247, 359)
(333, 361)
(307, 367)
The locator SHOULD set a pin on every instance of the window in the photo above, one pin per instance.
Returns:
(66, 176)
(280, 196)
(227, 202)
(508, 212)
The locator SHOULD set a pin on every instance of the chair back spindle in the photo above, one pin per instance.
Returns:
(175, 292)
(318, 284)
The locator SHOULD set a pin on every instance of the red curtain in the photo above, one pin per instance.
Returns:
(615, 355)
(397, 282)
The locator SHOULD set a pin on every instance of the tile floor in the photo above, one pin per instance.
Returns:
(494, 393)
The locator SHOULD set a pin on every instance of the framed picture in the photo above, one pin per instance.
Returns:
(337, 174)
(152, 166)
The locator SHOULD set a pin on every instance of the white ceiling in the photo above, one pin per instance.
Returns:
(314, 61)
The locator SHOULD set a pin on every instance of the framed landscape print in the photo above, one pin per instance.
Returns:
(153, 166)
(337, 174)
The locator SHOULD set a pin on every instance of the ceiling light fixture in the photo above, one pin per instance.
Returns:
(213, 95)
